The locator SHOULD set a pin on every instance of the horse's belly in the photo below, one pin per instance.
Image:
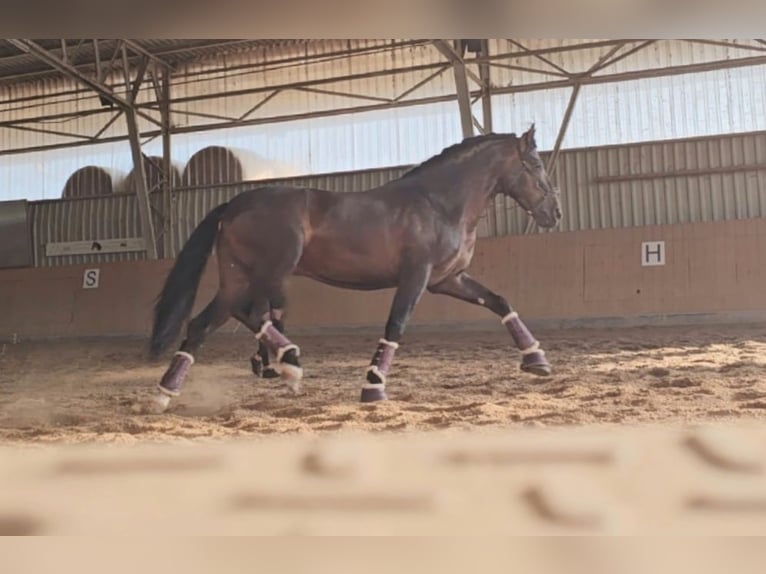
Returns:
(352, 268)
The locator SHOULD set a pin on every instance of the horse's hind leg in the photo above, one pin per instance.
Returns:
(211, 318)
(267, 269)
(269, 332)
(260, 361)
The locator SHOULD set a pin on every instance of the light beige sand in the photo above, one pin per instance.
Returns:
(467, 445)
(75, 391)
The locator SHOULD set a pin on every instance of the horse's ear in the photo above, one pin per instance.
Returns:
(528, 139)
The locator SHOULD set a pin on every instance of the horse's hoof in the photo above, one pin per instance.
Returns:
(539, 369)
(157, 405)
(294, 386)
(290, 372)
(373, 395)
(289, 366)
(270, 373)
(536, 363)
(257, 366)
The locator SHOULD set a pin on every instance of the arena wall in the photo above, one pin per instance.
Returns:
(713, 271)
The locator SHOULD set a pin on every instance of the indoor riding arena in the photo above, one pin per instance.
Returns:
(603, 373)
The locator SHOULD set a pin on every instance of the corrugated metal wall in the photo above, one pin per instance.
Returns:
(650, 109)
(707, 179)
(703, 179)
(81, 219)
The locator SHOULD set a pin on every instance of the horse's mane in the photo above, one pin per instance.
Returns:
(468, 146)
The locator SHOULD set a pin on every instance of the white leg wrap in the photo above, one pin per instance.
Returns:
(376, 371)
(389, 343)
(533, 349)
(187, 355)
(262, 332)
(282, 350)
(508, 317)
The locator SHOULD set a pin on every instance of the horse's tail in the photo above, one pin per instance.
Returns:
(176, 300)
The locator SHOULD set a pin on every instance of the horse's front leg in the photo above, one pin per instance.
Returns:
(408, 293)
(465, 288)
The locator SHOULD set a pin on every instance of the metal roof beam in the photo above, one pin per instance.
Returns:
(531, 87)
(604, 58)
(733, 44)
(461, 86)
(46, 131)
(142, 193)
(454, 58)
(29, 47)
(539, 56)
(609, 63)
(138, 48)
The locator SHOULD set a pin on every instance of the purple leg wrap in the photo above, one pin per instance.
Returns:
(533, 358)
(173, 379)
(383, 357)
(374, 389)
(518, 330)
(286, 354)
(273, 337)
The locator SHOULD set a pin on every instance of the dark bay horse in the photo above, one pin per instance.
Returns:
(413, 234)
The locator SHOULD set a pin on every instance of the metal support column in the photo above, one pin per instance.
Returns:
(551, 167)
(461, 85)
(486, 87)
(167, 166)
(134, 136)
(463, 98)
(142, 192)
(486, 120)
(553, 158)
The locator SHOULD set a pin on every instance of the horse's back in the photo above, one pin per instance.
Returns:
(264, 197)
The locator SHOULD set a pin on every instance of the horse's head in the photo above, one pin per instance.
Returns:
(529, 185)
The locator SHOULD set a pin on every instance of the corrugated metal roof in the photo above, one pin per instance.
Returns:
(17, 66)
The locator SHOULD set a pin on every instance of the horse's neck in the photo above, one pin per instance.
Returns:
(464, 199)
(478, 201)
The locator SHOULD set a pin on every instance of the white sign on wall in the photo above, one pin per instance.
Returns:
(94, 246)
(652, 253)
(90, 278)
